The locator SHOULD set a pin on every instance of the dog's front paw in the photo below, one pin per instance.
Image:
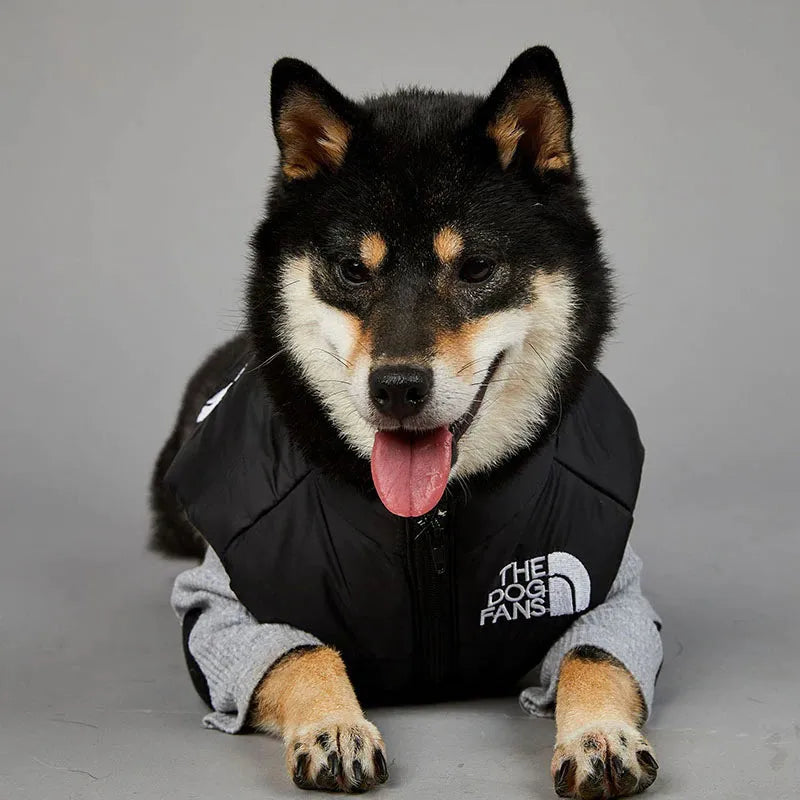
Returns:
(337, 754)
(603, 761)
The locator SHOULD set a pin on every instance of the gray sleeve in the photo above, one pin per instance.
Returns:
(232, 649)
(625, 625)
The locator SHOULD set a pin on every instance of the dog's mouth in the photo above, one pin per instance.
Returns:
(410, 469)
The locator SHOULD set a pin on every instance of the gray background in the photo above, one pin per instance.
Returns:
(135, 150)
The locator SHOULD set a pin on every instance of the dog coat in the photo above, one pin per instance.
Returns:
(462, 601)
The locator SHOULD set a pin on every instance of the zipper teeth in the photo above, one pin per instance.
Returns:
(436, 546)
(429, 562)
(416, 612)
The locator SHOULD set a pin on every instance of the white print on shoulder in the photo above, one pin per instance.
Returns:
(557, 584)
(214, 401)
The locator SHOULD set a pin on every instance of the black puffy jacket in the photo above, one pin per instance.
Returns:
(464, 600)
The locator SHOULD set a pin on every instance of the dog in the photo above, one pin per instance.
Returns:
(426, 306)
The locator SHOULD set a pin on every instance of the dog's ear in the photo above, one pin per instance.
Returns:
(528, 114)
(312, 121)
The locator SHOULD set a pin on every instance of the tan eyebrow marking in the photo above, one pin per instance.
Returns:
(361, 343)
(372, 250)
(448, 244)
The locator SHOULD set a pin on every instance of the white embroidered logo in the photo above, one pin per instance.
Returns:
(214, 401)
(557, 584)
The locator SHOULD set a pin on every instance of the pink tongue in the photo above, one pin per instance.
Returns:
(410, 474)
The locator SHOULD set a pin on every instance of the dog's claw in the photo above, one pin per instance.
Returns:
(593, 786)
(646, 758)
(327, 780)
(649, 766)
(381, 770)
(562, 778)
(300, 770)
(335, 764)
(360, 783)
(624, 779)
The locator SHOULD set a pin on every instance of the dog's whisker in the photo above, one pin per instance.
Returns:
(560, 410)
(475, 361)
(575, 358)
(342, 361)
(505, 364)
(266, 361)
(541, 358)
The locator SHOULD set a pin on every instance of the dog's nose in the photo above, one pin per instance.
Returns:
(400, 390)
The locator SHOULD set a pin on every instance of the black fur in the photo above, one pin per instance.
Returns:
(416, 160)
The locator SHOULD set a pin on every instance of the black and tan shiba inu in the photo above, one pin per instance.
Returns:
(427, 302)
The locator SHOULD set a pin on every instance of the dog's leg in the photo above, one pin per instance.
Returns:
(600, 751)
(307, 698)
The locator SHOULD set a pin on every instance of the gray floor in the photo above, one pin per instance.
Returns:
(96, 703)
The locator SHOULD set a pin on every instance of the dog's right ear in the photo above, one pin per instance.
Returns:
(529, 116)
(312, 121)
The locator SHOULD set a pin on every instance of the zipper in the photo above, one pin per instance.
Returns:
(437, 541)
(430, 566)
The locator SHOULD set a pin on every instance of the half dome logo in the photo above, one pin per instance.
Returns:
(552, 585)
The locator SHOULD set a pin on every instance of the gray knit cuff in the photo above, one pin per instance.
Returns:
(262, 650)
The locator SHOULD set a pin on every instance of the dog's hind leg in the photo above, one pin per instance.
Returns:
(307, 698)
(171, 534)
(600, 750)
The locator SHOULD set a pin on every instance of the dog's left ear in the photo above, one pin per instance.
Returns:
(313, 122)
(528, 114)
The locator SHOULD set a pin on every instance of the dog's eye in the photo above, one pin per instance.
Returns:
(352, 271)
(476, 269)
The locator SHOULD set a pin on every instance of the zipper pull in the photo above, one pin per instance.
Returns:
(439, 560)
(437, 542)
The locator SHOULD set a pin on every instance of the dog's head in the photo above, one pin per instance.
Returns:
(428, 270)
